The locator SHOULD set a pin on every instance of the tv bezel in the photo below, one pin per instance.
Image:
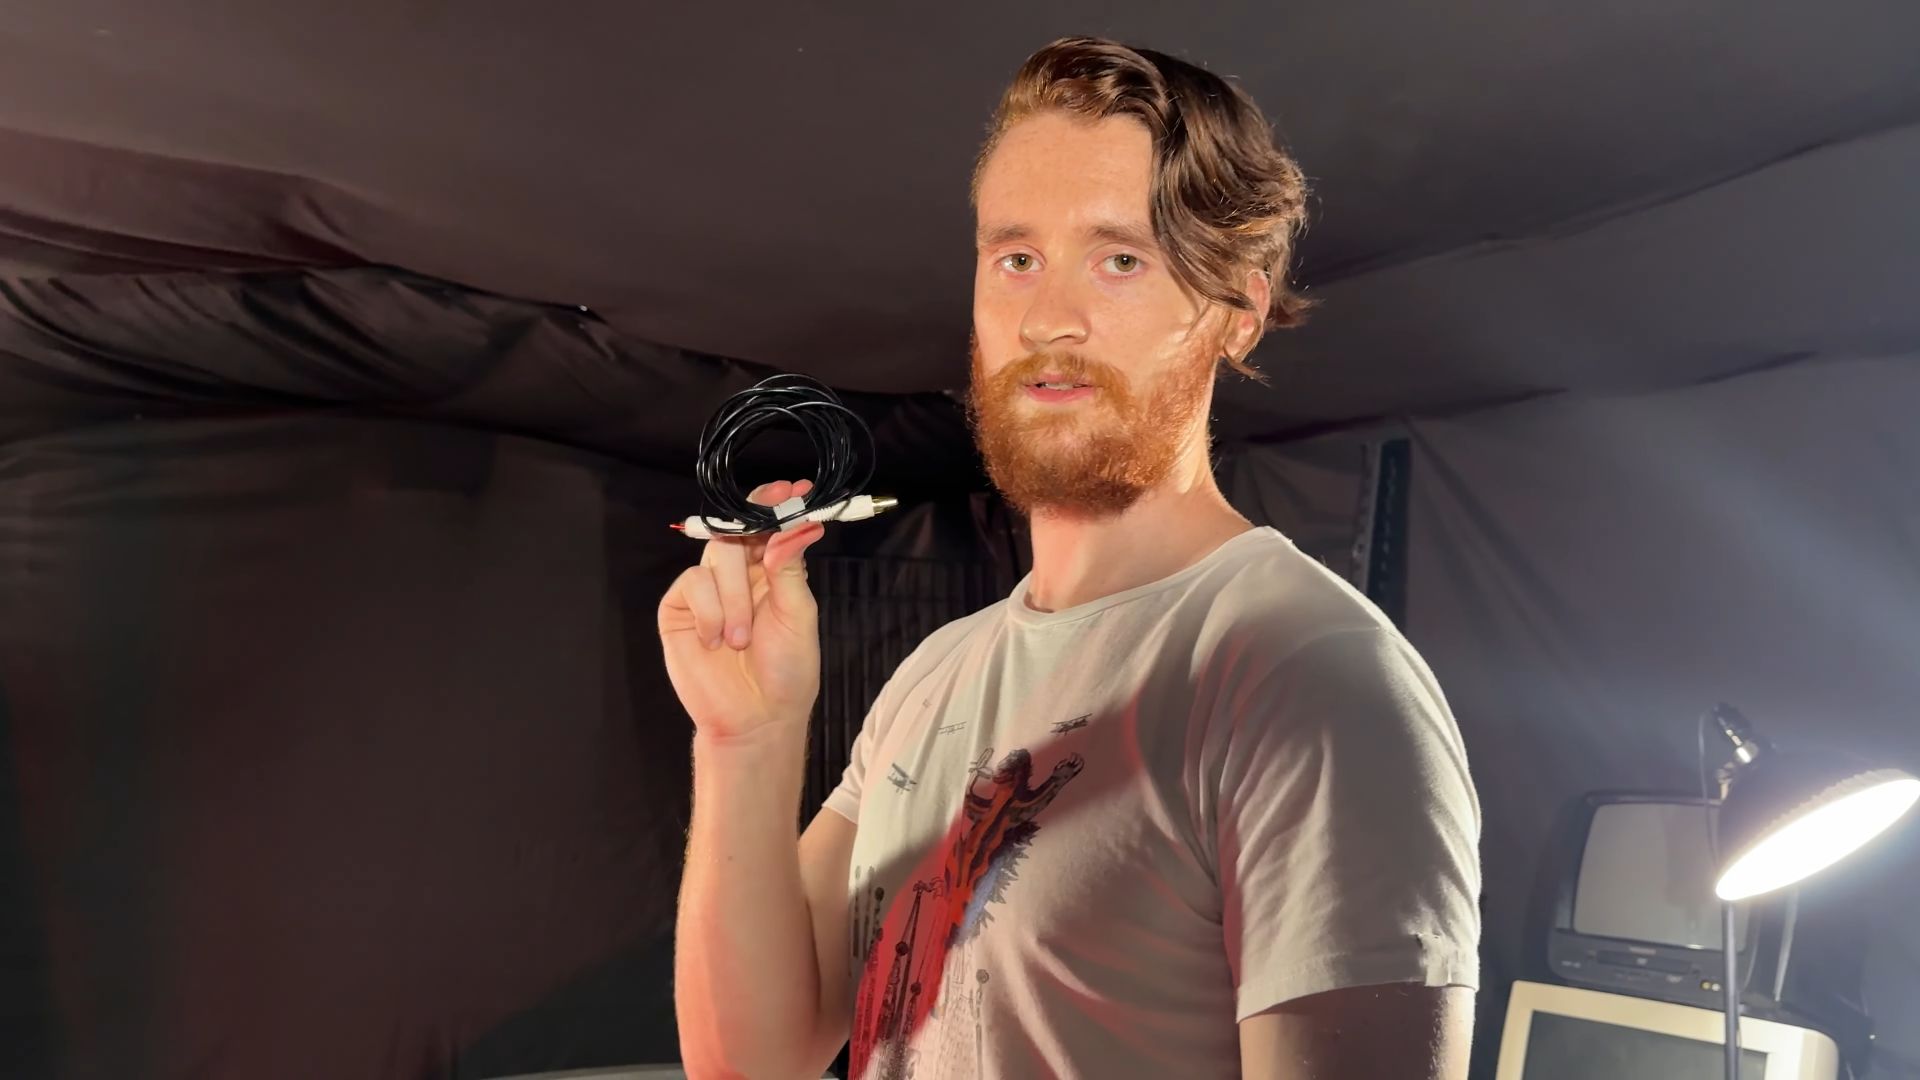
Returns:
(1569, 884)
(1551, 915)
(1793, 1053)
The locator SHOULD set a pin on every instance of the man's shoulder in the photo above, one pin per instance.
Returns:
(1279, 598)
(1289, 627)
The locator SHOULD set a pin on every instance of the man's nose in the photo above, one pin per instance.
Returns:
(1056, 318)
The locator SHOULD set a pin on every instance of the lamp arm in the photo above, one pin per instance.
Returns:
(1747, 748)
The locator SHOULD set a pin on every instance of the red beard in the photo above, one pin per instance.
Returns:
(1093, 459)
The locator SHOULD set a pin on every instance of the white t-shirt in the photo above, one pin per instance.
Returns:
(1090, 842)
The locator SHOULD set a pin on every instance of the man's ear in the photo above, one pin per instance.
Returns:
(1245, 328)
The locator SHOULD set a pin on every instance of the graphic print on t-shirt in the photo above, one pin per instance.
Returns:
(946, 911)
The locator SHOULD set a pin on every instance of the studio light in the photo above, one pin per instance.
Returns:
(1785, 816)
(1787, 839)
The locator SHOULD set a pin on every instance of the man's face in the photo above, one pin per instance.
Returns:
(1092, 364)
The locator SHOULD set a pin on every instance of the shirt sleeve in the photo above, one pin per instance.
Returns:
(1347, 827)
(845, 799)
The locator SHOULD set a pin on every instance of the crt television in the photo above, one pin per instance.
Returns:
(1633, 908)
(1569, 1033)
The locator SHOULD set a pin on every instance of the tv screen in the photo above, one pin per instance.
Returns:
(1568, 1048)
(1647, 875)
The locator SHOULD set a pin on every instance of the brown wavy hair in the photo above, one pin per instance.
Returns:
(1226, 197)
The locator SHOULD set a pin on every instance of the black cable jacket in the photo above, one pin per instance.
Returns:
(842, 450)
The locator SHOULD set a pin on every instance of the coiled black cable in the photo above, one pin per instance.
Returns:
(842, 451)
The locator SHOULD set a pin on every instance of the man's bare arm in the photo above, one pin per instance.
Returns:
(761, 954)
(1397, 1032)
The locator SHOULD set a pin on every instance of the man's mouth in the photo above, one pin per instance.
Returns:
(1058, 391)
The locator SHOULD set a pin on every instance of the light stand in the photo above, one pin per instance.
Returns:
(1784, 817)
(1730, 989)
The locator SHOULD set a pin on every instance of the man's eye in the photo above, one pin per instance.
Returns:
(1018, 262)
(1124, 264)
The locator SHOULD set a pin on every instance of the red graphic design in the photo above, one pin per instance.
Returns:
(978, 860)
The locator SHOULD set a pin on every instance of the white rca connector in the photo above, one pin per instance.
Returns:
(858, 508)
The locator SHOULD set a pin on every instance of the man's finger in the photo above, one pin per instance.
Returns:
(785, 552)
(756, 546)
(703, 599)
(772, 494)
(728, 558)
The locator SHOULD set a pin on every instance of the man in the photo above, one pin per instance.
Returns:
(1184, 804)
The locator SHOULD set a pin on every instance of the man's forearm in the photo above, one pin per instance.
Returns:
(746, 981)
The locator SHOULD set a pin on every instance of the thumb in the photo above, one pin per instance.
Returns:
(786, 566)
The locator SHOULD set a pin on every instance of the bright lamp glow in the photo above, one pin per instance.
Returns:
(1817, 839)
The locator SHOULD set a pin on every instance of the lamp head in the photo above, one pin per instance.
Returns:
(1786, 816)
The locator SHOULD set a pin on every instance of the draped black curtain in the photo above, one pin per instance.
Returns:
(334, 736)
(338, 747)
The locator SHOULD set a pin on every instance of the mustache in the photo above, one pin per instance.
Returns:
(1072, 366)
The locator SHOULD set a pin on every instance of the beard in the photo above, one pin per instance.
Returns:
(1095, 458)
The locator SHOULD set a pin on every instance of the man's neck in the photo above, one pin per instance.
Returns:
(1077, 560)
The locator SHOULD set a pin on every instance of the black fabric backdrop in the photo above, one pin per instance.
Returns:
(1512, 198)
(338, 746)
(1589, 575)
(371, 340)
(336, 738)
